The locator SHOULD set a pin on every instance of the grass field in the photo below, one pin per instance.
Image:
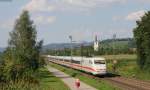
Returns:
(46, 81)
(120, 57)
(100, 85)
(126, 66)
(50, 82)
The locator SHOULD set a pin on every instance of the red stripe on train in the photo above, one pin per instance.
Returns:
(89, 68)
(84, 67)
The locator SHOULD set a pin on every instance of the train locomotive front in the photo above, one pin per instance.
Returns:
(99, 65)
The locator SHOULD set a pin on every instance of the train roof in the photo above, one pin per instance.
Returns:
(77, 58)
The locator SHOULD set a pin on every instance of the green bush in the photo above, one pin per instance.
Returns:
(142, 37)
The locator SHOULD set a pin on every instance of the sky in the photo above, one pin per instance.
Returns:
(55, 20)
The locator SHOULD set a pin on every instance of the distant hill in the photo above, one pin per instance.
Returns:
(106, 43)
(130, 42)
(57, 46)
(123, 42)
(106, 47)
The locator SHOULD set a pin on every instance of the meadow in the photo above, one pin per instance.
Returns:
(126, 66)
(120, 57)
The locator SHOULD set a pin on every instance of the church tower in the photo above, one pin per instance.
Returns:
(96, 43)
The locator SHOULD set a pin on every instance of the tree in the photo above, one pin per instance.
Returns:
(142, 38)
(23, 53)
(1, 68)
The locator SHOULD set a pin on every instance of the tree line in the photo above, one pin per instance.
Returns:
(106, 47)
(142, 37)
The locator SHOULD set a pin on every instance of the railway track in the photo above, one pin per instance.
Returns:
(121, 82)
(131, 83)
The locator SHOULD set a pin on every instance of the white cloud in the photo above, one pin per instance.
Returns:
(90, 3)
(135, 15)
(51, 19)
(41, 19)
(38, 5)
(51, 5)
(44, 19)
(85, 5)
(7, 24)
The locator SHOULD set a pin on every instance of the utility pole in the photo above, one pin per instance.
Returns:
(114, 61)
(70, 37)
(81, 47)
(114, 39)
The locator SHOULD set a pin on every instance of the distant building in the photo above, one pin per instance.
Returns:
(96, 44)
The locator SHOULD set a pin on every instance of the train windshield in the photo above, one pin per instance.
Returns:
(99, 61)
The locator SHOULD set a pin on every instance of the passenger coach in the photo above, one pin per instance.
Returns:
(94, 65)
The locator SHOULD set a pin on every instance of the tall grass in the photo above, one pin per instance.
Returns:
(18, 85)
(29, 82)
(128, 68)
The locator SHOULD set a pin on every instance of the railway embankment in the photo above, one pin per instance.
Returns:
(108, 82)
(98, 84)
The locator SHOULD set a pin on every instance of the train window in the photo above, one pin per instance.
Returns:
(66, 60)
(99, 62)
(90, 62)
(76, 62)
(81, 61)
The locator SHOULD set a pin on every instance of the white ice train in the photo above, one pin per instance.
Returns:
(94, 65)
